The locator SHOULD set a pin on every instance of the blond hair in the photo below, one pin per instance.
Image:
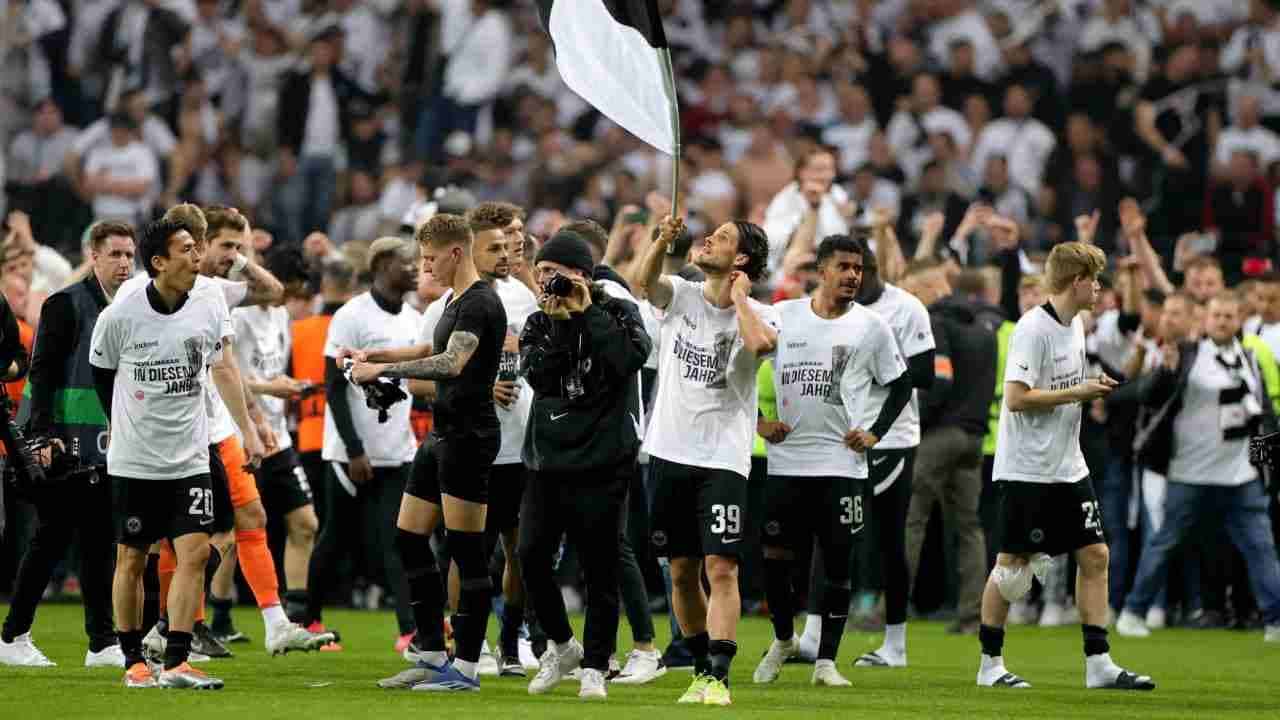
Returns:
(1028, 282)
(1072, 261)
(191, 218)
(443, 230)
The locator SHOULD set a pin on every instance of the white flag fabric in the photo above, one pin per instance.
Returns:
(610, 53)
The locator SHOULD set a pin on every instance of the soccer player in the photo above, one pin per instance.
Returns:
(151, 352)
(236, 499)
(1046, 502)
(467, 437)
(831, 352)
(263, 349)
(713, 339)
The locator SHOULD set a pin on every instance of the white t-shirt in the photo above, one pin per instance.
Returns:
(823, 372)
(1042, 446)
(262, 350)
(158, 423)
(705, 413)
(1211, 430)
(362, 324)
(519, 303)
(909, 321)
(134, 161)
(232, 292)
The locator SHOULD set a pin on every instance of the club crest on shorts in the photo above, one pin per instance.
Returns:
(772, 528)
(1037, 535)
(659, 538)
(133, 525)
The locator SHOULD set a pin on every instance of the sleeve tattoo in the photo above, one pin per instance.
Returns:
(442, 366)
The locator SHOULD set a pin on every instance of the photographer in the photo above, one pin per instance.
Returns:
(63, 411)
(581, 354)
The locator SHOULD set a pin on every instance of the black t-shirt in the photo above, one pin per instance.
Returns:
(465, 404)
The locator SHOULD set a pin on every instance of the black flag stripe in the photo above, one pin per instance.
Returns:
(642, 15)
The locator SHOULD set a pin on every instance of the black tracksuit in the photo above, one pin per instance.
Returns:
(581, 445)
(969, 343)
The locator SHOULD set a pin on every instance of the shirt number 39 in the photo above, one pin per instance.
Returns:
(726, 519)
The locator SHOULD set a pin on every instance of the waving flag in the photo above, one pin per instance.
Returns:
(614, 54)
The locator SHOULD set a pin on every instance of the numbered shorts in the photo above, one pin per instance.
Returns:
(460, 467)
(798, 510)
(1051, 518)
(696, 511)
(282, 483)
(147, 511)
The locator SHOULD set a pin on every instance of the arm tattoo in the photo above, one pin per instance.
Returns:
(443, 366)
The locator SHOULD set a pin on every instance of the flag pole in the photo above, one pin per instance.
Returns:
(669, 75)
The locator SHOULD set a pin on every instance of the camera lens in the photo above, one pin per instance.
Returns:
(560, 286)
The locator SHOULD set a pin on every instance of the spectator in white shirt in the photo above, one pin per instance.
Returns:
(808, 209)
(909, 129)
(852, 135)
(1253, 55)
(155, 133)
(1023, 140)
(1119, 21)
(968, 24)
(1247, 134)
(36, 154)
(123, 177)
(479, 58)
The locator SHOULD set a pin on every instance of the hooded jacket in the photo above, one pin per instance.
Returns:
(584, 372)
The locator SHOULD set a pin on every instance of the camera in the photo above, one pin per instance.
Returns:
(1262, 451)
(24, 471)
(560, 286)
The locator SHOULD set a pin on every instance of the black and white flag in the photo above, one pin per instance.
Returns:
(613, 53)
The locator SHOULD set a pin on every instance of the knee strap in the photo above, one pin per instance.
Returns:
(1013, 582)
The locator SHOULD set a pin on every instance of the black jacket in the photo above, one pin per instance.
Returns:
(584, 372)
(965, 362)
(1160, 395)
(295, 104)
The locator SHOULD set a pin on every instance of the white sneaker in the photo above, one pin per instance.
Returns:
(286, 636)
(825, 673)
(487, 664)
(774, 658)
(1101, 672)
(883, 657)
(1272, 634)
(1156, 619)
(555, 666)
(1021, 613)
(106, 657)
(1131, 626)
(25, 653)
(642, 667)
(592, 685)
(993, 673)
(524, 649)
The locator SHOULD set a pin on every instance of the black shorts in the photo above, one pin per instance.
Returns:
(456, 466)
(506, 490)
(282, 483)
(147, 511)
(1049, 518)
(224, 511)
(799, 509)
(696, 511)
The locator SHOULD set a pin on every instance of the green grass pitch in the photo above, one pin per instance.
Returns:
(1200, 674)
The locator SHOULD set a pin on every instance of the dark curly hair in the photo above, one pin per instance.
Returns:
(753, 243)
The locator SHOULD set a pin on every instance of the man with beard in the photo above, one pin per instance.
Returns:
(713, 338)
(830, 353)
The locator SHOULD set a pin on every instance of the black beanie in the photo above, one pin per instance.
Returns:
(569, 249)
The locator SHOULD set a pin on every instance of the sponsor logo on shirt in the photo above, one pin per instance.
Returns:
(147, 345)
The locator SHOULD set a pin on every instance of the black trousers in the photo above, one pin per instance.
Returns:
(364, 523)
(587, 506)
(60, 517)
(634, 541)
